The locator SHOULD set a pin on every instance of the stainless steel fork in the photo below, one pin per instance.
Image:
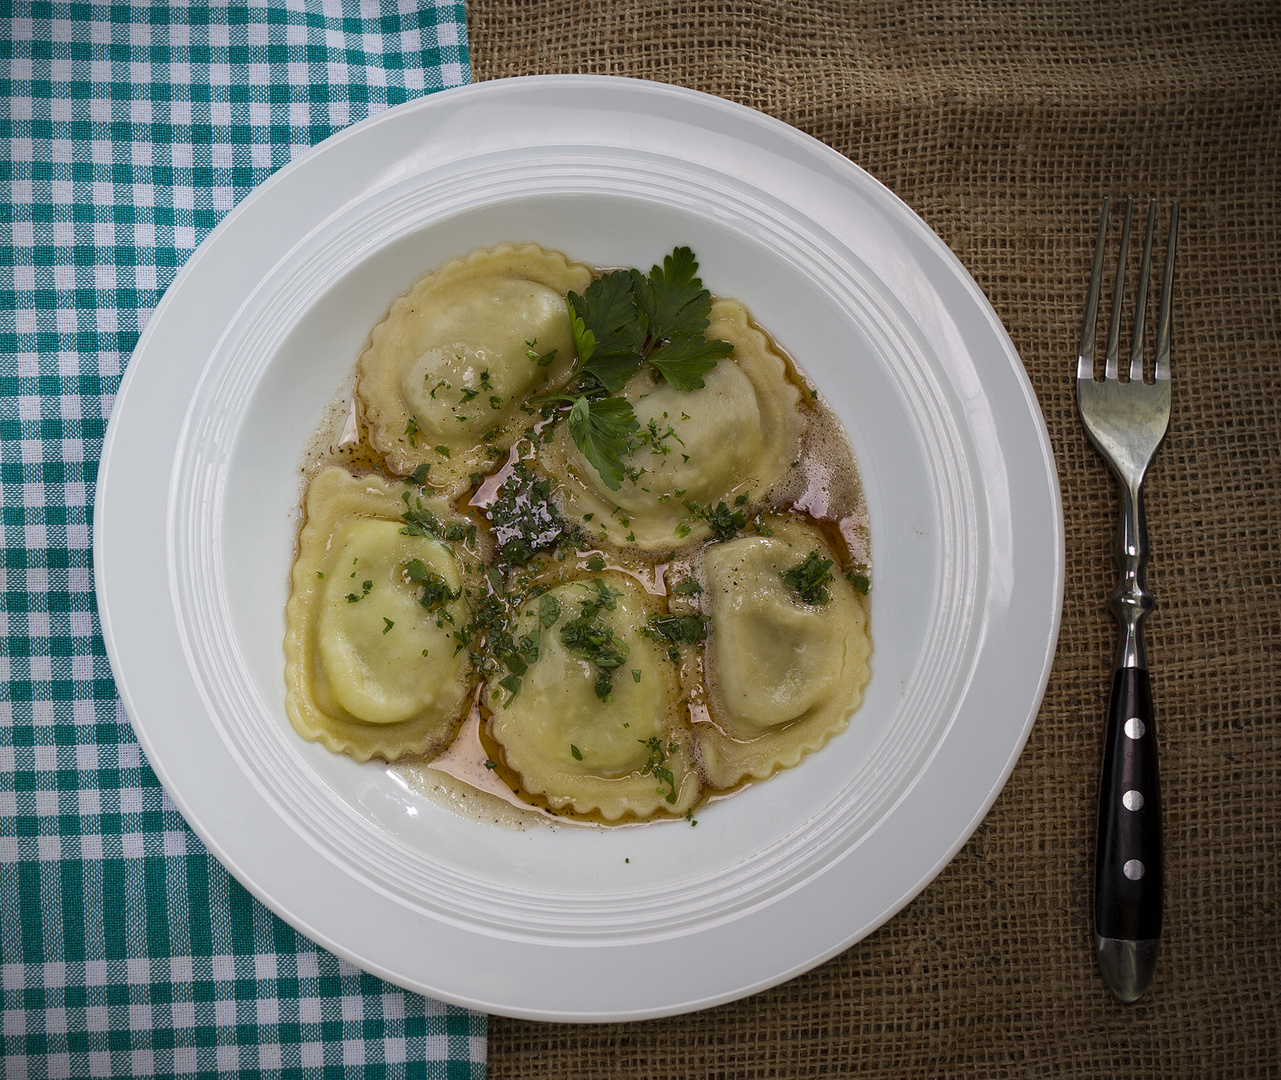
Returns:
(1126, 419)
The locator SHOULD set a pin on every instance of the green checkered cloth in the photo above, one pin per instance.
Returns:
(128, 132)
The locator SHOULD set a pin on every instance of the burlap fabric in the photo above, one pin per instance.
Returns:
(1003, 125)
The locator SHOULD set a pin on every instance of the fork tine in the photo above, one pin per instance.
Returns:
(1135, 368)
(1167, 300)
(1118, 297)
(1085, 357)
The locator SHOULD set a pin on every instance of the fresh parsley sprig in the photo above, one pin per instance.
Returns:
(623, 321)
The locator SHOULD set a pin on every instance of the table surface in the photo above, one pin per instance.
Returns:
(125, 949)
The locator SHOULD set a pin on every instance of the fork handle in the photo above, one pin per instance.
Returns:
(1129, 870)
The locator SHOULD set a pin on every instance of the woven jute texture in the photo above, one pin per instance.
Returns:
(1003, 125)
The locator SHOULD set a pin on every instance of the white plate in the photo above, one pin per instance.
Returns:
(196, 516)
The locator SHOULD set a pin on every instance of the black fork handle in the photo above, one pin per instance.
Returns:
(1129, 871)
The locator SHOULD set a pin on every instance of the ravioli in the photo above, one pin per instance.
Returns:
(736, 436)
(371, 670)
(620, 656)
(784, 673)
(620, 758)
(446, 372)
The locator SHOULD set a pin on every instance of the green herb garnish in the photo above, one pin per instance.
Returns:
(679, 629)
(420, 521)
(525, 519)
(656, 766)
(723, 521)
(541, 359)
(548, 610)
(810, 578)
(589, 638)
(624, 320)
(435, 590)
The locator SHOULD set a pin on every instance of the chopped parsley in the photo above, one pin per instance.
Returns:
(656, 440)
(435, 590)
(590, 638)
(656, 766)
(541, 359)
(548, 610)
(810, 578)
(419, 521)
(677, 629)
(724, 522)
(364, 591)
(491, 643)
(525, 519)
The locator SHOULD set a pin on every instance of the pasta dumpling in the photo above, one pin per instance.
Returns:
(736, 435)
(445, 373)
(370, 664)
(591, 727)
(786, 666)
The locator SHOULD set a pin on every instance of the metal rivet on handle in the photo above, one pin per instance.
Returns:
(1133, 869)
(1134, 728)
(1132, 800)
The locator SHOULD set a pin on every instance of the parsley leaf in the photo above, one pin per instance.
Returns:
(683, 361)
(600, 428)
(607, 333)
(672, 299)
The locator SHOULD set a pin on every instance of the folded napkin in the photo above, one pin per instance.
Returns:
(129, 131)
